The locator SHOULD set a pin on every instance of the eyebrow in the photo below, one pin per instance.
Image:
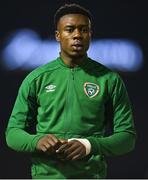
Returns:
(81, 25)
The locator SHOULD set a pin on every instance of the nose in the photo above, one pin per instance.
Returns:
(77, 34)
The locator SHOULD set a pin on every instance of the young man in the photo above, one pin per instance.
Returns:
(70, 100)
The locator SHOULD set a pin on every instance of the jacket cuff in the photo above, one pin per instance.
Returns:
(35, 140)
(95, 145)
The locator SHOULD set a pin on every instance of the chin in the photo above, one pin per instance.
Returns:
(77, 54)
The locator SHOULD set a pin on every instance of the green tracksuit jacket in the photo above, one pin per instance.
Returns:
(72, 103)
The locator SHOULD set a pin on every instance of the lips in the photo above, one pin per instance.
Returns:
(77, 46)
(77, 43)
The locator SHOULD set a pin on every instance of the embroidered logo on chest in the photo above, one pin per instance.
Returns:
(50, 88)
(91, 89)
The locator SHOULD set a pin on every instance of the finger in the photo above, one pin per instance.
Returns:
(75, 158)
(72, 146)
(63, 141)
(47, 149)
(72, 154)
(43, 148)
(79, 156)
(62, 148)
(47, 145)
(52, 140)
(69, 150)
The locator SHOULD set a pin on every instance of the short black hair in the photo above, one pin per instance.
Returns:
(71, 9)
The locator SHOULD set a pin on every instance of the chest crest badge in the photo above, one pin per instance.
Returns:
(91, 89)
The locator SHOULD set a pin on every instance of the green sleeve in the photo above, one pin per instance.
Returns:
(123, 136)
(114, 145)
(19, 140)
(23, 115)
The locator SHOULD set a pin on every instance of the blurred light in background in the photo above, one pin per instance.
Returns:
(120, 54)
(26, 50)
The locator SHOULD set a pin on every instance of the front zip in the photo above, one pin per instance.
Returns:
(72, 71)
(69, 101)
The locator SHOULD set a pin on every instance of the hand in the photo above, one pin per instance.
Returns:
(49, 144)
(72, 150)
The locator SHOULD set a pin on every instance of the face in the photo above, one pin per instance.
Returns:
(74, 34)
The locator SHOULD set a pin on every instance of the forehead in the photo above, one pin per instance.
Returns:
(74, 19)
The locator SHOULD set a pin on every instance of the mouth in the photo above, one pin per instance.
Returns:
(77, 46)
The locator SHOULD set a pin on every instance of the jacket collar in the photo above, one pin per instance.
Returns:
(84, 63)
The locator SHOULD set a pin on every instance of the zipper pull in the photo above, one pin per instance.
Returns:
(72, 71)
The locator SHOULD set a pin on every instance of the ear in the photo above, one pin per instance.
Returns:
(91, 33)
(57, 35)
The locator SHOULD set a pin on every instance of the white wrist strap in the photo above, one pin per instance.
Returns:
(85, 142)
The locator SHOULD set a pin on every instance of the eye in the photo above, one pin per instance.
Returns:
(84, 30)
(69, 30)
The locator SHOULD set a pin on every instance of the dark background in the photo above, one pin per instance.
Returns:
(112, 19)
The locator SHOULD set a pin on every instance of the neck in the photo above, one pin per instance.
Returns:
(73, 61)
